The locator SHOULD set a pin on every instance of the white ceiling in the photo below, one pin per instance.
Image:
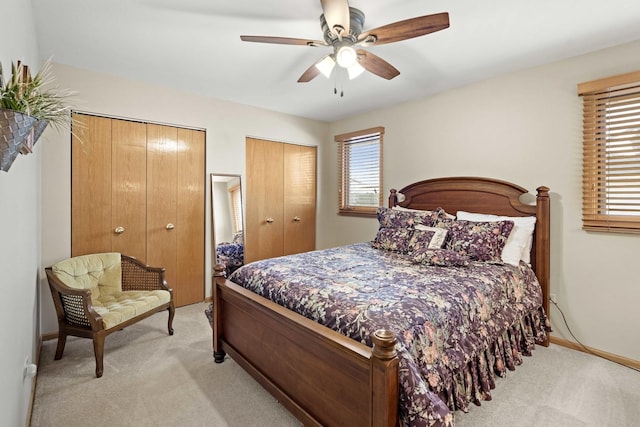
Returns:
(195, 46)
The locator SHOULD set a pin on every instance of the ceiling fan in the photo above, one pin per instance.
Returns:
(342, 30)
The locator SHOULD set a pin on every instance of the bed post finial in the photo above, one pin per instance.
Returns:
(219, 270)
(393, 198)
(543, 191)
(384, 344)
(385, 379)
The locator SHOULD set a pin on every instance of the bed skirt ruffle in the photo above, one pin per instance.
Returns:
(474, 382)
(208, 312)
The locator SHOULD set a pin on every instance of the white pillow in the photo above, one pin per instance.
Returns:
(518, 246)
(440, 235)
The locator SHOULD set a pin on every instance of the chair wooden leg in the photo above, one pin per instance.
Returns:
(172, 312)
(98, 349)
(62, 340)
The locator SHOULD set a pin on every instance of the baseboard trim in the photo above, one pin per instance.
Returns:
(34, 382)
(49, 336)
(585, 349)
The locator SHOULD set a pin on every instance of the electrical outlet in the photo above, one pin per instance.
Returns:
(552, 298)
(29, 369)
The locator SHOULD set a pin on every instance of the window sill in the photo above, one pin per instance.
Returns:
(357, 213)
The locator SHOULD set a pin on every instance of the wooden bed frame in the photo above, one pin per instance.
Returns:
(323, 377)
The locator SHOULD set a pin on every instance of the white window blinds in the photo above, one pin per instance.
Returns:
(360, 164)
(236, 206)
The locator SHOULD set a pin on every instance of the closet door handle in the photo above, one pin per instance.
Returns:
(269, 220)
(170, 226)
(297, 219)
(119, 230)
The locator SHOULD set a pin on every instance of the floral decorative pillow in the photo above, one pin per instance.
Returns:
(238, 237)
(393, 239)
(439, 257)
(391, 218)
(396, 227)
(420, 239)
(427, 237)
(400, 208)
(480, 241)
(518, 246)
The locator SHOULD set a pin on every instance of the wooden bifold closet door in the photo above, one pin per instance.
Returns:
(139, 189)
(280, 199)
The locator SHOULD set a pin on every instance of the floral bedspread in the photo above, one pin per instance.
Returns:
(456, 327)
(231, 255)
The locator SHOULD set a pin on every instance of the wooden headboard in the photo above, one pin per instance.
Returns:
(487, 196)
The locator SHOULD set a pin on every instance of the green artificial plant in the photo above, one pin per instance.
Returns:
(34, 96)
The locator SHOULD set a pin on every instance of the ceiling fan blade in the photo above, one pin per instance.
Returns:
(407, 29)
(376, 65)
(336, 13)
(283, 40)
(311, 73)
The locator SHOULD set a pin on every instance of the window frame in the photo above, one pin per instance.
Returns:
(344, 142)
(603, 172)
(235, 196)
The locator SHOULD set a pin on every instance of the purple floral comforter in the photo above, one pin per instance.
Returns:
(456, 327)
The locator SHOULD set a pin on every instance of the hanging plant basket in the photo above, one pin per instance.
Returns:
(27, 106)
(15, 129)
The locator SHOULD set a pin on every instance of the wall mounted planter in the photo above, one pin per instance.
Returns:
(18, 134)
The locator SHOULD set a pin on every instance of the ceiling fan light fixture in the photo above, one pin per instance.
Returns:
(355, 70)
(346, 57)
(326, 66)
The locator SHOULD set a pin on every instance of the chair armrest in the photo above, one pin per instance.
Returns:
(73, 306)
(137, 276)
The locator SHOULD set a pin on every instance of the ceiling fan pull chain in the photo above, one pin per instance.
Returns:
(338, 78)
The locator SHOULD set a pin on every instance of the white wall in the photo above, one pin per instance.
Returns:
(227, 124)
(19, 235)
(524, 128)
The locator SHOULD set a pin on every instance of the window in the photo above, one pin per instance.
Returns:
(360, 165)
(611, 154)
(236, 207)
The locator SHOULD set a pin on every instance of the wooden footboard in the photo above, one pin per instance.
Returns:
(320, 376)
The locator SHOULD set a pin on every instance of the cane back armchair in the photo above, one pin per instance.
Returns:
(97, 294)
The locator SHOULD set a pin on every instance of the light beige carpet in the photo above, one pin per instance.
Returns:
(559, 387)
(153, 379)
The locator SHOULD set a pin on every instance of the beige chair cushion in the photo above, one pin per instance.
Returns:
(121, 306)
(100, 273)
